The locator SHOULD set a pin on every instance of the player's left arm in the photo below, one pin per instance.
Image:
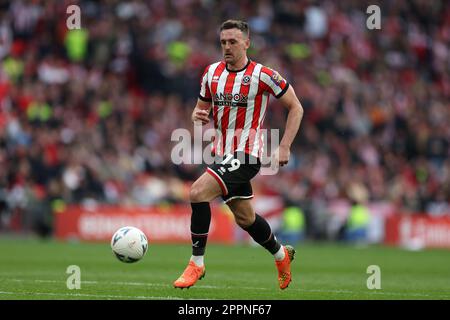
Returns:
(295, 115)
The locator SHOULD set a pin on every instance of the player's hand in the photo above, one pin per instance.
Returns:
(200, 116)
(281, 156)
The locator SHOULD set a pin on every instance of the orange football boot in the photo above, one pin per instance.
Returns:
(284, 267)
(190, 275)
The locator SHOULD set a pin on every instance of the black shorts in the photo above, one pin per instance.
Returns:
(233, 172)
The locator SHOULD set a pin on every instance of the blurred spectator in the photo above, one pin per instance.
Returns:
(292, 229)
(357, 225)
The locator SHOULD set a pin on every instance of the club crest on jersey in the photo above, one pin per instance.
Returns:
(246, 80)
(215, 79)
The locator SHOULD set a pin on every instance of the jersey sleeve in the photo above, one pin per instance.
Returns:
(205, 93)
(273, 83)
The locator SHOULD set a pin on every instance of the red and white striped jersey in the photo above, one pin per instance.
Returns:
(239, 101)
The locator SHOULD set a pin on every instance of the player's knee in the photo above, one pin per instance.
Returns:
(196, 194)
(244, 221)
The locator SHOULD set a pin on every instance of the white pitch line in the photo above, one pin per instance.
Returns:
(140, 284)
(88, 295)
(248, 288)
(376, 293)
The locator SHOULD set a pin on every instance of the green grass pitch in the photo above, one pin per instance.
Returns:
(34, 269)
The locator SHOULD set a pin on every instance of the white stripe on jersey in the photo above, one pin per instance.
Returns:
(233, 113)
(220, 88)
(203, 85)
(254, 86)
(211, 71)
(258, 137)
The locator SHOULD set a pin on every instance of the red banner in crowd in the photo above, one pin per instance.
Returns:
(418, 231)
(160, 224)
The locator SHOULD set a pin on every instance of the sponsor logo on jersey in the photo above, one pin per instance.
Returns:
(215, 79)
(231, 100)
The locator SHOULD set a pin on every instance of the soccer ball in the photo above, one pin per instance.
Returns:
(129, 244)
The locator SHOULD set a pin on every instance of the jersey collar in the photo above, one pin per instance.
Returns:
(245, 67)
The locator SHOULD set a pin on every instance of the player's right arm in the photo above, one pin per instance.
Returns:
(201, 112)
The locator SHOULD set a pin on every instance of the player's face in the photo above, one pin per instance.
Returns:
(234, 45)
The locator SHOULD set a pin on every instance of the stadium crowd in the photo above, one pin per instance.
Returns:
(87, 115)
